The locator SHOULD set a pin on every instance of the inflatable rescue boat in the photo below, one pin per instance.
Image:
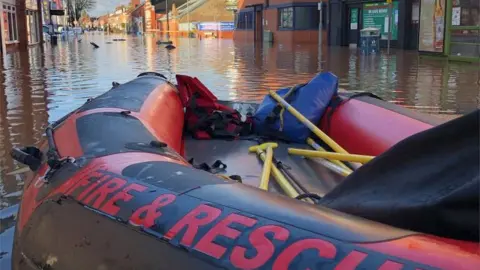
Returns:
(118, 185)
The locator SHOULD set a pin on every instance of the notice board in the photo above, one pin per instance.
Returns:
(376, 15)
(432, 26)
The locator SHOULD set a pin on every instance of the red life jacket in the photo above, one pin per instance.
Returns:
(205, 117)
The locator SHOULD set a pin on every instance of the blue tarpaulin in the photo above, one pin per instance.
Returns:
(310, 100)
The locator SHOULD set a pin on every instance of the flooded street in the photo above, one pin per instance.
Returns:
(40, 87)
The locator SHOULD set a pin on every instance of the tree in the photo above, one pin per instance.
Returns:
(77, 7)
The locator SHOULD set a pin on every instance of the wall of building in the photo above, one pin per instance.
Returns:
(341, 34)
(212, 11)
(270, 17)
(150, 17)
(137, 18)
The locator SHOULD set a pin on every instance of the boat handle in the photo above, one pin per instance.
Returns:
(152, 73)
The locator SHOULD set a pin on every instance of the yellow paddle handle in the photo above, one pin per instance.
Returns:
(329, 155)
(335, 146)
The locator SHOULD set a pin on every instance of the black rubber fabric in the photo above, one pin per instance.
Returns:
(102, 134)
(427, 183)
(129, 96)
(171, 176)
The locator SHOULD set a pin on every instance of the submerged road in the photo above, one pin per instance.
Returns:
(39, 87)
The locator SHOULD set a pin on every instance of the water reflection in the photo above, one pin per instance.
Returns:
(38, 87)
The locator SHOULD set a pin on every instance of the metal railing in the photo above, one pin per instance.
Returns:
(184, 9)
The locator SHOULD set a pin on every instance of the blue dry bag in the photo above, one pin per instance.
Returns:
(311, 100)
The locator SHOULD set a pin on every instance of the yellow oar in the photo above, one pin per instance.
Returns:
(267, 162)
(340, 167)
(330, 155)
(268, 165)
(19, 171)
(335, 146)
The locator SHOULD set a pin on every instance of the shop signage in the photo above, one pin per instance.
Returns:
(56, 5)
(432, 25)
(354, 19)
(31, 4)
(46, 11)
(187, 27)
(214, 26)
(376, 15)
(456, 15)
(231, 4)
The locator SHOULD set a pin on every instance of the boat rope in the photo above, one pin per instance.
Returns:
(309, 195)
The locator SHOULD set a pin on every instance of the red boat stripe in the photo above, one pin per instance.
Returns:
(416, 248)
(87, 180)
(352, 260)
(102, 192)
(206, 245)
(193, 222)
(146, 215)
(110, 206)
(389, 265)
(262, 245)
(325, 250)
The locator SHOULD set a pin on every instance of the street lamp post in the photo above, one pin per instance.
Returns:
(389, 25)
(168, 22)
(320, 25)
(188, 18)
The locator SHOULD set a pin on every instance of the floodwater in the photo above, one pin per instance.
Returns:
(40, 87)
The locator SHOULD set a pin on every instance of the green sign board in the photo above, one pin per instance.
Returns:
(376, 15)
(354, 19)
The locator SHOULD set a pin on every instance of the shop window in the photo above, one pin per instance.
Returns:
(285, 18)
(10, 23)
(306, 18)
(301, 18)
(465, 31)
(466, 13)
(465, 43)
(244, 20)
(32, 27)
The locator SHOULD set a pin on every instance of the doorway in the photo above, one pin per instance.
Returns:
(258, 23)
(412, 34)
(354, 24)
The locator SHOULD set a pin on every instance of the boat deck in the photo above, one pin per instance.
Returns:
(314, 176)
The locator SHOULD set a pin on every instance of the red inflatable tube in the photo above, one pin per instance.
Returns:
(369, 126)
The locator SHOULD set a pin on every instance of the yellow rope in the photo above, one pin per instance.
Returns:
(281, 119)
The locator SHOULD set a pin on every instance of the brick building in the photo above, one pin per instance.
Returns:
(137, 17)
(20, 25)
(200, 17)
(286, 21)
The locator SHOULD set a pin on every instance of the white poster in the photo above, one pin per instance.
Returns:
(353, 26)
(415, 11)
(456, 13)
(432, 25)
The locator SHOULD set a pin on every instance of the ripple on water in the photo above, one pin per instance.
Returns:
(40, 87)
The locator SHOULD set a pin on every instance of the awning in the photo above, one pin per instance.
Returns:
(160, 5)
(57, 12)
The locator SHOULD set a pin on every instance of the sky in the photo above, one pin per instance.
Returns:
(106, 6)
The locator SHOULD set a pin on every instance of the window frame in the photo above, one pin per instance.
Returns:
(12, 20)
(279, 12)
(241, 14)
(293, 7)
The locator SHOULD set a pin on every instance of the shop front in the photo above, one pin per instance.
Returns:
(396, 20)
(9, 25)
(463, 30)
(450, 28)
(284, 22)
(32, 14)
